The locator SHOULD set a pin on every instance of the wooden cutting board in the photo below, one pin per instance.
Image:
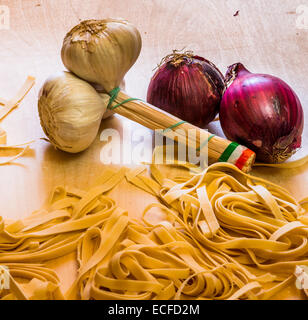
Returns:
(263, 35)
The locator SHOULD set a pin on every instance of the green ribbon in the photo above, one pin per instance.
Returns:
(174, 126)
(204, 143)
(227, 153)
(113, 95)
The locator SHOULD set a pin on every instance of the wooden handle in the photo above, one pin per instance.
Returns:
(219, 149)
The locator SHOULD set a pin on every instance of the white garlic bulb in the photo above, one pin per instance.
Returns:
(101, 51)
(70, 111)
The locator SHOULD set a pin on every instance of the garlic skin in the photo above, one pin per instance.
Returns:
(70, 111)
(101, 51)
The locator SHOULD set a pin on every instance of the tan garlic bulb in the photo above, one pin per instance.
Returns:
(101, 51)
(70, 111)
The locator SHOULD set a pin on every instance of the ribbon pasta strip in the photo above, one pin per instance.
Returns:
(222, 234)
(5, 108)
(52, 232)
(251, 222)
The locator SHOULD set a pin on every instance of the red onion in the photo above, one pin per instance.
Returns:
(261, 112)
(187, 86)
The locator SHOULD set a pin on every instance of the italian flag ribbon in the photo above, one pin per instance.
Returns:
(236, 154)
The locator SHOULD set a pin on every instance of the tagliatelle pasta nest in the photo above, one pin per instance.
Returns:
(223, 235)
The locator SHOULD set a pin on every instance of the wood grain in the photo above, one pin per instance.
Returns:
(263, 36)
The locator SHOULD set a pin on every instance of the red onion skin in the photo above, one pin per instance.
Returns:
(262, 112)
(190, 89)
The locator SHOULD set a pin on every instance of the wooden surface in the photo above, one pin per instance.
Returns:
(263, 36)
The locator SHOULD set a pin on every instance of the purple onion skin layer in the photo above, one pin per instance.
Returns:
(261, 112)
(190, 89)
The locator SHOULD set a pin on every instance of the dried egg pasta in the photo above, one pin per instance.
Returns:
(223, 235)
(5, 109)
